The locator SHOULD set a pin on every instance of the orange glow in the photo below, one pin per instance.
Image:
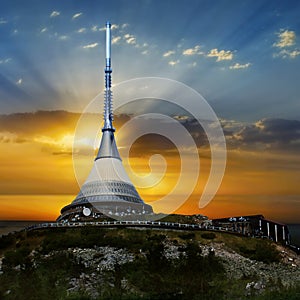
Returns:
(37, 177)
(32, 207)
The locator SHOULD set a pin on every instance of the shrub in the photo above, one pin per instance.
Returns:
(7, 241)
(187, 236)
(208, 235)
(266, 252)
(15, 258)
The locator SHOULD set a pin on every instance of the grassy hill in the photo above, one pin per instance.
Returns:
(122, 263)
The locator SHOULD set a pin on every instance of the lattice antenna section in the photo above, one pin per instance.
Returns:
(108, 108)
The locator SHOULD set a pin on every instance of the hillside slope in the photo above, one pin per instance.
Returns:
(122, 263)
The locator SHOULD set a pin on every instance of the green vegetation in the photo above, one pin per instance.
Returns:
(208, 235)
(264, 251)
(38, 265)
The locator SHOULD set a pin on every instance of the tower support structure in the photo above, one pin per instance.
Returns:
(107, 190)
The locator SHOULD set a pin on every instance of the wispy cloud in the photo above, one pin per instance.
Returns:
(168, 53)
(193, 65)
(113, 27)
(81, 30)
(237, 66)
(89, 46)
(286, 38)
(19, 81)
(221, 55)
(76, 16)
(288, 53)
(5, 61)
(174, 62)
(2, 21)
(94, 28)
(193, 51)
(130, 39)
(43, 30)
(116, 40)
(54, 14)
(63, 37)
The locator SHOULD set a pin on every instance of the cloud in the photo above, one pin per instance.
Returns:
(193, 65)
(173, 62)
(237, 66)
(39, 123)
(5, 61)
(288, 53)
(2, 21)
(145, 45)
(168, 53)
(116, 40)
(54, 14)
(192, 51)
(89, 46)
(286, 38)
(43, 30)
(7, 137)
(94, 28)
(130, 39)
(81, 30)
(220, 55)
(76, 16)
(63, 37)
(266, 134)
(19, 81)
(112, 27)
(145, 52)
(270, 134)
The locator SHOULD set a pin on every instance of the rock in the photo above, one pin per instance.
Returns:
(17, 268)
(259, 285)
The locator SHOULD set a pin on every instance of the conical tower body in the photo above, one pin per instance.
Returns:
(108, 189)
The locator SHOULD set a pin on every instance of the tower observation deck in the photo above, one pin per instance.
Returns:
(108, 189)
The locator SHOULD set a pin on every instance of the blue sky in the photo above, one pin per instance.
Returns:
(242, 56)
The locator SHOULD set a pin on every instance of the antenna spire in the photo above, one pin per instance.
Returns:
(108, 112)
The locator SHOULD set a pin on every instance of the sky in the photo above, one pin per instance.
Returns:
(243, 57)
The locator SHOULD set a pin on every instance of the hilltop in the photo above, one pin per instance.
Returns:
(123, 263)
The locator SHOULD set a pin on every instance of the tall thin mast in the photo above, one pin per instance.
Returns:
(108, 112)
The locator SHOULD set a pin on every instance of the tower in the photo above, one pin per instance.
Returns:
(108, 189)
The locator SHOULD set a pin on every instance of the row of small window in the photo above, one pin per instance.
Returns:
(109, 184)
(112, 198)
(106, 191)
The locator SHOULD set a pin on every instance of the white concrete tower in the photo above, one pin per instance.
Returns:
(108, 189)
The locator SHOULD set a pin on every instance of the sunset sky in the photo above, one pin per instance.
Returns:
(242, 56)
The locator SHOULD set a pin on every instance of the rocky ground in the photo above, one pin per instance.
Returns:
(99, 265)
(285, 273)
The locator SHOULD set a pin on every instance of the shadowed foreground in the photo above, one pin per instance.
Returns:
(120, 263)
